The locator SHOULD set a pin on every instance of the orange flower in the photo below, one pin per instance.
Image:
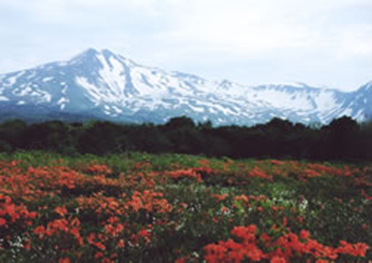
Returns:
(91, 238)
(2, 221)
(278, 260)
(121, 243)
(180, 260)
(100, 245)
(304, 234)
(61, 210)
(143, 232)
(64, 260)
(75, 232)
(40, 231)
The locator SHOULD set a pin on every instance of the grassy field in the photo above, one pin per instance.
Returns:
(181, 208)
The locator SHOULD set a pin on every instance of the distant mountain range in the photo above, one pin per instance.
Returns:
(107, 86)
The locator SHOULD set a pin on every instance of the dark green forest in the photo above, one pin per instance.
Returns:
(342, 139)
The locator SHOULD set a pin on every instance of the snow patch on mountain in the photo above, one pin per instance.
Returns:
(46, 79)
(109, 86)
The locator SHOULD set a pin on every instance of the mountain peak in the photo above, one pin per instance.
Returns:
(225, 84)
(296, 84)
(92, 52)
(93, 56)
(105, 85)
(89, 52)
(107, 52)
(85, 57)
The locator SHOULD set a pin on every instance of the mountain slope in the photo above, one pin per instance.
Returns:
(104, 85)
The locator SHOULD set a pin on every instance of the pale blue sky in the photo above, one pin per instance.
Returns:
(319, 42)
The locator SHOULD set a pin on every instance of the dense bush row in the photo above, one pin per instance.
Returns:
(342, 139)
(179, 208)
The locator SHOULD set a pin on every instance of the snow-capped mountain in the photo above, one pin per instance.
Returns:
(104, 85)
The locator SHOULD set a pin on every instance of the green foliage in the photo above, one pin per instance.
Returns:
(342, 139)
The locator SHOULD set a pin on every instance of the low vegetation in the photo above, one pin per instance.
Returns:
(182, 208)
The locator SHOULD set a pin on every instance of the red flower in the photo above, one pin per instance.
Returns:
(61, 210)
(121, 243)
(304, 234)
(278, 260)
(100, 245)
(64, 260)
(180, 260)
(40, 231)
(2, 221)
(143, 233)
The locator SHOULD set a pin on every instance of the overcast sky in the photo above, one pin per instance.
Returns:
(319, 42)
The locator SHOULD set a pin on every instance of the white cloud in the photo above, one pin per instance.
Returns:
(355, 42)
(257, 27)
(310, 36)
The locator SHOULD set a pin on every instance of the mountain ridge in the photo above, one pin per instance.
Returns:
(106, 85)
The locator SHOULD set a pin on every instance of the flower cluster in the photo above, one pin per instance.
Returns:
(283, 248)
(185, 209)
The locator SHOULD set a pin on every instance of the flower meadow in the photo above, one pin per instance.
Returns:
(182, 208)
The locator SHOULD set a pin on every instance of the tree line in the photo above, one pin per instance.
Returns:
(342, 139)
